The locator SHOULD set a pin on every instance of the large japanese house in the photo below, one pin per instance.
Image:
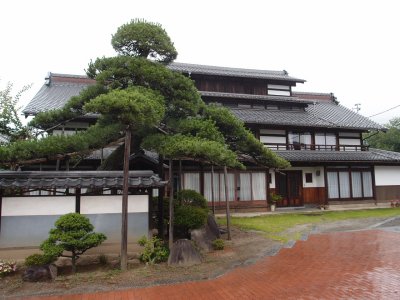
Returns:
(331, 163)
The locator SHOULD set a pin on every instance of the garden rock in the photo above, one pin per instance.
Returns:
(204, 236)
(213, 226)
(133, 263)
(40, 273)
(183, 253)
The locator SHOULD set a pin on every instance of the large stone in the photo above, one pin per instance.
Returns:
(134, 262)
(204, 236)
(213, 226)
(183, 253)
(40, 273)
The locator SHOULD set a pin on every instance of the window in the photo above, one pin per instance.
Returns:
(325, 141)
(299, 140)
(350, 183)
(309, 177)
(278, 90)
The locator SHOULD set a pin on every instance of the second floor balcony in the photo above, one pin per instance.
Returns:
(300, 146)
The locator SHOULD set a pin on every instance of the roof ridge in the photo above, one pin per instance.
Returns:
(280, 72)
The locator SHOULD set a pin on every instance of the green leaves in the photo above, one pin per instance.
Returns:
(389, 140)
(136, 106)
(10, 124)
(73, 232)
(144, 39)
(93, 138)
(189, 147)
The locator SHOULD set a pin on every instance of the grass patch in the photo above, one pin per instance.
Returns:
(275, 225)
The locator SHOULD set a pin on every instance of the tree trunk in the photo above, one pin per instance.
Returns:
(171, 206)
(228, 213)
(124, 225)
(212, 190)
(73, 262)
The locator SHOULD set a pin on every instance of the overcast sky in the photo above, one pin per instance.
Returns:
(349, 48)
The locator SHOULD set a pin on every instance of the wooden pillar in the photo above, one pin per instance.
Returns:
(1, 205)
(268, 185)
(180, 186)
(201, 179)
(78, 200)
(150, 212)
(228, 213)
(161, 198)
(212, 190)
(124, 219)
(171, 206)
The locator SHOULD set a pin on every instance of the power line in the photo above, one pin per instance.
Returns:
(384, 111)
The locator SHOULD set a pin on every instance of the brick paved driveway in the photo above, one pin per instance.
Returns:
(343, 265)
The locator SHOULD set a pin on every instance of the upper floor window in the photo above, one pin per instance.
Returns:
(325, 141)
(278, 90)
(299, 140)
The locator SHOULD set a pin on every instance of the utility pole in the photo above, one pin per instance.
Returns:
(357, 107)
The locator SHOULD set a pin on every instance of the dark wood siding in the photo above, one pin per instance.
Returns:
(314, 195)
(387, 192)
(257, 87)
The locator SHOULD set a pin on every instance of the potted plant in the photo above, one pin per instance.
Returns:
(273, 198)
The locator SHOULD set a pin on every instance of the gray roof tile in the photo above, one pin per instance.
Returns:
(322, 114)
(373, 155)
(254, 97)
(80, 179)
(232, 72)
(53, 96)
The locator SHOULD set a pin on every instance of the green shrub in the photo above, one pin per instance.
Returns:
(39, 260)
(191, 198)
(72, 233)
(190, 217)
(218, 244)
(154, 251)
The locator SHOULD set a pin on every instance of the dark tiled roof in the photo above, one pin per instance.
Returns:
(322, 114)
(53, 96)
(79, 179)
(373, 155)
(254, 97)
(232, 72)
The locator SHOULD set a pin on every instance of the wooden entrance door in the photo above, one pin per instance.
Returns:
(289, 185)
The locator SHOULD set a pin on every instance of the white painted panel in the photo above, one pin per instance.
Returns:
(349, 142)
(111, 204)
(318, 180)
(273, 139)
(349, 134)
(272, 175)
(38, 206)
(272, 131)
(279, 87)
(387, 175)
(278, 93)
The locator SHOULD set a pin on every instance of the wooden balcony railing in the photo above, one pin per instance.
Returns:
(282, 146)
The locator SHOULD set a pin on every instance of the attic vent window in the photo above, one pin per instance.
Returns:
(278, 90)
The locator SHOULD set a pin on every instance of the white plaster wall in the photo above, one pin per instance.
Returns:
(38, 206)
(112, 204)
(318, 181)
(387, 175)
(272, 184)
(355, 142)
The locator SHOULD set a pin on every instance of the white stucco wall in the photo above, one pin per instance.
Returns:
(387, 175)
(113, 204)
(318, 181)
(38, 206)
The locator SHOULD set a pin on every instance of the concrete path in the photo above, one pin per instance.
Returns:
(343, 265)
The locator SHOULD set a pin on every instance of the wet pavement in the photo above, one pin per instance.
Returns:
(341, 265)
